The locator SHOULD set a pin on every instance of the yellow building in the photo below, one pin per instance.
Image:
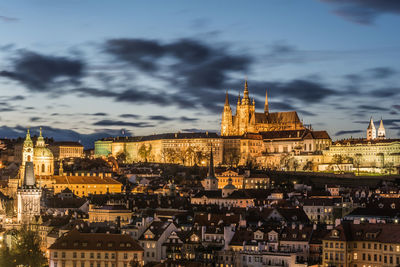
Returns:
(110, 213)
(86, 249)
(86, 185)
(62, 150)
(181, 148)
(237, 179)
(377, 155)
(365, 244)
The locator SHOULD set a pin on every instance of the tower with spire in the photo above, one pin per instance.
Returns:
(247, 120)
(371, 130)
(226, 124)
(381, 130)
(27, 154)
(28, 196)
(210, 183)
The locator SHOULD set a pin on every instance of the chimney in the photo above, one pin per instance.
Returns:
(209, 217)
(293, 226)
(314, 227)
(301, 227)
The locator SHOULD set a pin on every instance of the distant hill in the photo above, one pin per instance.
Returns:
(87, 140)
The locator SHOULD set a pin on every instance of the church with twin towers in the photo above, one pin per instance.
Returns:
(247, 120)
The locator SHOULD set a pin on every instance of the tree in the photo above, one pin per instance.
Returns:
(389, 167)
(144, 152)
(231, 156)
(121, 157)
(308, 166)
(295, 164)
(357, 162)
(26, 251)
(338, 160)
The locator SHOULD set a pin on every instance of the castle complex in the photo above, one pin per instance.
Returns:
(246, 120)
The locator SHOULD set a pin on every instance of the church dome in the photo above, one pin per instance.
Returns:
(230, 186)
(42, 152)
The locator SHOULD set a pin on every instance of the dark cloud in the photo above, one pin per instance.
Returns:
(364, 11)
(42, 72)
(159, 118)
(396, 107)
(165, 119)
(348, 132)
(133, 116)
(382, 72)
(122, 123)
(385, 92)
(99, 114)
(7, 109)
(372, 108)
(35, 119)
(8, 19)
(306, 113)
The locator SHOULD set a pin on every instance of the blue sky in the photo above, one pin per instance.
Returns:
(164, 66)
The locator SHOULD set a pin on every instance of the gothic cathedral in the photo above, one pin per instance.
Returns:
(246, 120)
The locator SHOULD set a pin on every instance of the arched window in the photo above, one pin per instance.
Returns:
(43, 168)
(29, 158)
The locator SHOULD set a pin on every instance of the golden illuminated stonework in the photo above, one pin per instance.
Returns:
(246, 120)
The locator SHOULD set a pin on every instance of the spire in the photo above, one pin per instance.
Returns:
(226, 99)
(381, 130)
(40, 140)
(266, 109)
(371, 124)
(28, 141)
(211, 165)
(29, 177)
(239, 99)
(254, 102)
(61, 169)
(246, 98)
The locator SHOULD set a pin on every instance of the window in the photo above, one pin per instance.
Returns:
(74, 254)
(106, 255)
(82, 255)
(98, 255)
(355, 256)
(125, 256)
(55, 254)
(63, 254)
(91, 255)
(112, 255)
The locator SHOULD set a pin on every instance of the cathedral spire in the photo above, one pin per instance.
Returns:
(246, 93)
(28, 141)
(266, 109)
(226, 99)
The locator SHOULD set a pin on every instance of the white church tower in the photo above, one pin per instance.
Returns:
(381, 131)
(210, 183)
(27, 154)
(371, 130)
(28, 196)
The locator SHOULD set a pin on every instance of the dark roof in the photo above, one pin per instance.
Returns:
(95, 241)
(385, 233)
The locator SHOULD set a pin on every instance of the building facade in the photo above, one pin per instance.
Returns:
(246, 120)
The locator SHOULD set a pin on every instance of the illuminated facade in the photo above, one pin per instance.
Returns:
(246, 120)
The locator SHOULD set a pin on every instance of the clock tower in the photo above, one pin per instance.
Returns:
(27, 154)
(28, 196)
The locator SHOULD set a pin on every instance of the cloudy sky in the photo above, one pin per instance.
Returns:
(97, 67)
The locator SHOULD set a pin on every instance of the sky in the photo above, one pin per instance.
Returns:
(87, 69)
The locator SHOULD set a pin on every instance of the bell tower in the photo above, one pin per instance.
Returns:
(27, 154)
(371, 130)
(381, 131)
(226, 123)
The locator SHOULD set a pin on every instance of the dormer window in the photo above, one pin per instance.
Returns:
(84, 244)
(98, 244)
(110, 245)
(335, 233)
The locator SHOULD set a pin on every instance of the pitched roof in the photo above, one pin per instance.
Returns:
(84, 180)
(95, 241)
(385, 233)
(278, 117)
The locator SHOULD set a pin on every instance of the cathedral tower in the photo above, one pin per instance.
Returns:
(371, 131)
(43, 158)
(381, 131)
(226, 124)
(266, 109)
